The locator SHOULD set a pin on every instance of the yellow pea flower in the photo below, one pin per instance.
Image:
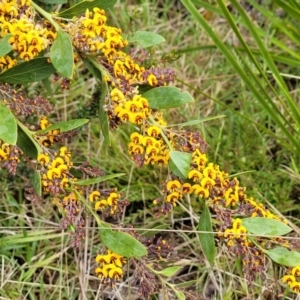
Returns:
(95, 195)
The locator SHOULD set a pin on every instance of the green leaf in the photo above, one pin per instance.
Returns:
(90, 66)
(81, 7)
(99, 72)
(186, 284)
(26, 142)
(8, 125)
(169, 272)
(61, 54)
(37, 186)
(122, 243)
(266, 226)
(195, 122)
(98, 179)
(5, 46)
(143, 88)
(146, 39)
(47, 85)
(179, 163)
(207, 240)
(284, 257)
(167, 97)
(180, 295)
(64, 126)
(27, 72)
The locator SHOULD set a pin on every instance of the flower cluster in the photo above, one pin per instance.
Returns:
(10, 9)
(209, 182)
(258, 210)
(224, 195)
(237, 232)
(51, 137)
(108, 202)
(293, 280)
(253, 258)
(55, 171)
(206, 180)
(149, 148)
(6, 62)
(150, 143)
(110, 267)
(173, 191)
(91, 34)
(56, 180)
(158, 76)
(135, 110)
(9, 157)
(28, 38)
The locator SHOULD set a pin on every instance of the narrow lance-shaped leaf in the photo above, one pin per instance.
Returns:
(27, 143)
(284, 257)
(90, 66)
(207, 239)
(29, 71)
(167, 97)
(122, 243)
(81, 7)
(61, 54)
(5, 46)
(179, 294)
(8, 125)
(98, 179)
(37, 185)
(100, 73)
(169, 272)
(196, 122)
(179, 163)
(266, 226)
(64, 126)
(146, 39)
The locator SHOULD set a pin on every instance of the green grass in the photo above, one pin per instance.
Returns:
(37, 261)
